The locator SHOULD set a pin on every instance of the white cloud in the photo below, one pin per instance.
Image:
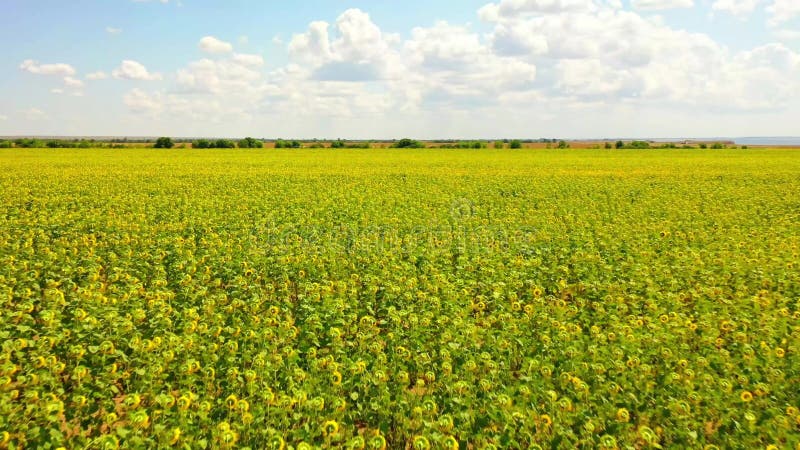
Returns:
(57, 91)
(210, 44)
(142, 102)
(73, 82)
(543, 61)
(786, 35)
(112, 30)
(783, 11)
(661, 4)
(133, 70)
(59, 69)
(244, 40)
(248, 60)
(738, 8)
(34, 114)
(526, 8)
(100, 75)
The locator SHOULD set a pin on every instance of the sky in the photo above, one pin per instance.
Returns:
(380, 69)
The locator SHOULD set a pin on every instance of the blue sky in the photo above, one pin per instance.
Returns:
(385, 69)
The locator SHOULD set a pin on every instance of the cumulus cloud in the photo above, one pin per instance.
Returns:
(783, 11)
(140, 101)
(786, 35)
(573, 55)
(210, 44)
(59, 69)
(99, 75)
(112, 30)
(661, 4)
(133, 70)
(738, 8)
(73, 82)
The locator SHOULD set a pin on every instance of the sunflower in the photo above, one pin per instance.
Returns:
(232, 401)
(420, 443)
(746, 396)
(175, 436)
(330, 428)
(377, 442)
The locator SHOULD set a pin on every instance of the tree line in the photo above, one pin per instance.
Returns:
(406, 143)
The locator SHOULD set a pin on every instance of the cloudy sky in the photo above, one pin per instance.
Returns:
(391, 68)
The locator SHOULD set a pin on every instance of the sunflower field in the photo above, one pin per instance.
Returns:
(399, 299)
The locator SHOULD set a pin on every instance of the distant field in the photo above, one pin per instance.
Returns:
(470, 299)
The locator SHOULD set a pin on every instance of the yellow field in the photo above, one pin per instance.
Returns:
(299, 299)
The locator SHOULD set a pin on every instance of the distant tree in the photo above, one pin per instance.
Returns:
(607, 145)
(498, 144)
(249, 142)
(703, 145)
(717, 146)
(639, 145)
(224, 143)
(338, 144)
(619, 145)
(164, 142)
(744, 147)
(408, 143)
(563, 144)
(6, 144)
(202, 143)
(515, 144)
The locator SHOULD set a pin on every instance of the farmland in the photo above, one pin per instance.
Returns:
(300, 299)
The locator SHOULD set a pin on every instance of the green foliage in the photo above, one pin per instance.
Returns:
(638, 145)
(218, 143)
(703, 145)
(499, 144)
(6, 144)
(466, 145)
(164, 142)
(249, 142)
(607, 145)
(516, 144)
(408, 143)
(717, 146)
(563, 144)
(201, 144)
(280, 143)
(224, 143)
(619, 145)
(399, 299)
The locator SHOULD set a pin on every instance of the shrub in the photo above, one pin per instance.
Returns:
(515, 144)
(164, 142)
(408, 143)
(249, 142)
